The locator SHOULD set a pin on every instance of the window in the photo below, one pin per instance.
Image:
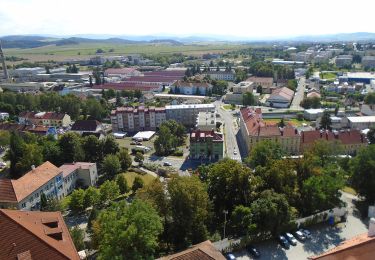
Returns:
(23, 205)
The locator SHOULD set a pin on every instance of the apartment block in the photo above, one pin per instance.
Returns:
(44, 118)
(206, 145)
(187, 114)
(137, 119)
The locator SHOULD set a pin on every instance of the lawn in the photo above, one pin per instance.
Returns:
(130, 176)
(226, 107)
(349, 190)
(292, 121)
(328, 75)
(125, 142)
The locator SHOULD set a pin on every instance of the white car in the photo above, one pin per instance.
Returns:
(235, 152)
(167, 164)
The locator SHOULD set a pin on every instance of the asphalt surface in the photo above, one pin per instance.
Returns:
(231, 128)
(323, 238)
(299, 95)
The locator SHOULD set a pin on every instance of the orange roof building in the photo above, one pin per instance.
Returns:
(254, 129)
(202, 251)
(30, 235)
(361, 247)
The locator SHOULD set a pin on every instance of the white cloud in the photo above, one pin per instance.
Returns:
(246, 18)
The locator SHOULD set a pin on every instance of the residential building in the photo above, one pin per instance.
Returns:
(312, 114)
(131, 86)
(313, 94)
(349, 141)
(254, 129)
(206, 121)
(35, 129)
(206, 145)
(281, 97)
(360, 247)
(236, 97)
(122, 72)
(344, 60)
(203, 251)
(181, 98)
(44, 118)
(187, 114)
(221, 75)
(24, 193)
(337, 122)
(26, 235)
(361, 122)
(191, 88)
(84, 126)
(368, 62)
(137, 119)
(78, 174)
(265, 82)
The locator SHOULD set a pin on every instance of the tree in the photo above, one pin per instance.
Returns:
(137, 183)
(139, 157)
(190, 210)
(91, 148)
(70, 146)
(109, 146)
(128, 231)
(241, 221)
(363, 173)
(263, 153)
(14, 153)
(76, 203)
(4, 138)
(271, 213)
(32, 155)
(124, 158)
(51, 152)
(165, 143)
(248, 99)
(326, 122)
(370, 98)
(43, 202)
(229, 184)
(91, 197)
(111, 165)
(78, 236)
(122, 183)
(109, 190)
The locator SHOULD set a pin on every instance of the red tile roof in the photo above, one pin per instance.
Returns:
(261, 79)
(283, 92)
(42, 115)
(68, 168)
(85, 125)
(202, 251)
(29, 235)
(128, 86)
(7, 193)
(344, 249)
(346, 137)
(198, 135)
(30, 182)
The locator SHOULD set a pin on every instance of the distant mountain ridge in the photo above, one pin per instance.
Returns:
(32, 41)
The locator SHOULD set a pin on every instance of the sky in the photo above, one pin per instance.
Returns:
(241, 18)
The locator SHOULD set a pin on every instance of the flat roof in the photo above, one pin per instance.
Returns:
(361, 119)
(144, 135)
(180, 96)
(314, 110)
(190, 106)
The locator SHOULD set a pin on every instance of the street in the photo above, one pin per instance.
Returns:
(230, 131)
(299, 95)
(323, 237)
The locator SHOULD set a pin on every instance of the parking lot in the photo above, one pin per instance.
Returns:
(323, 237)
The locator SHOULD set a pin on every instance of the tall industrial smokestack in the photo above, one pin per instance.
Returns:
(3, 63)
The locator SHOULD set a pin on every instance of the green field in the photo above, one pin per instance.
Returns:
(328, 75)
(83, 50)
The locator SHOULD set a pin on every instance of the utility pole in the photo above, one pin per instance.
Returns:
(6, 76)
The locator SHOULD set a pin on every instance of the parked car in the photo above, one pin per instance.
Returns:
(230, 256)
(306, 233)
(300, 235)
(167, 164)
(284, 242)
(292, 240)
(253, 251)
(133, 143)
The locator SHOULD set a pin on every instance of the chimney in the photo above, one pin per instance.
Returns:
(371, 227)
(33, 167)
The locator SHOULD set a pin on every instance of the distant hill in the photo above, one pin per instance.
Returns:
(32, 41)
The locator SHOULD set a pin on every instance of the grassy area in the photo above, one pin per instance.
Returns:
(125, 142)
(130, 176)
(292, 121)
(328, 75)
(227, 107)
(349, 190)
(57, 53)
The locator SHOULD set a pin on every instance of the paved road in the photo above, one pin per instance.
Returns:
(299, 95)
(324, 237)
(230, 131)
